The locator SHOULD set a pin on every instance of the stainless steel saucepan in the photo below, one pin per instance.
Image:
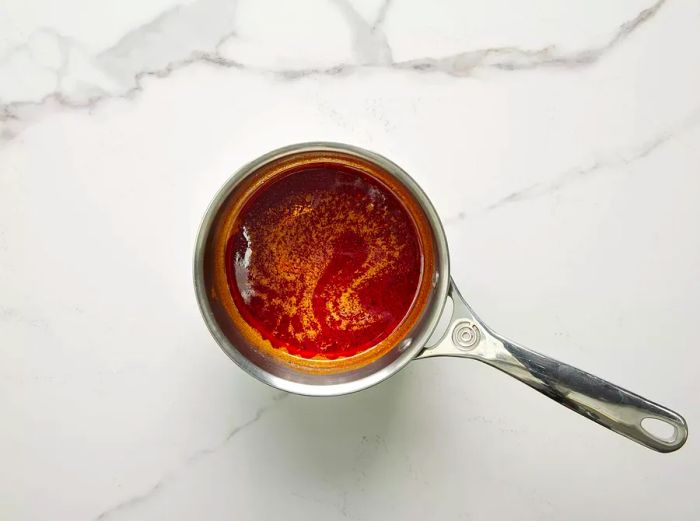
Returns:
(465, 336)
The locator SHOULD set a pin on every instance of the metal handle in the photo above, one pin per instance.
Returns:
(609, 405)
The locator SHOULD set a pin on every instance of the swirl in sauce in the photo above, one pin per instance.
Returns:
(324, 262)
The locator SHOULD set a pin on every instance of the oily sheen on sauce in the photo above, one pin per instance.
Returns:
(323, 262)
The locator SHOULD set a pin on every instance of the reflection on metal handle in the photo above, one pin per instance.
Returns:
(609, 405)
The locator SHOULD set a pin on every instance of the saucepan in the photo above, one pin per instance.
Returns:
(464, 336)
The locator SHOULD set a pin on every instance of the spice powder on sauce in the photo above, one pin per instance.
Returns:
(324, 261)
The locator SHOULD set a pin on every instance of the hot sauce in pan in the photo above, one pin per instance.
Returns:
(323, 261)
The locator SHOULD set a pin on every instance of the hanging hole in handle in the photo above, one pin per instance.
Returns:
(660, 429)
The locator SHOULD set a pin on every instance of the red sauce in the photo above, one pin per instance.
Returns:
(324, 261)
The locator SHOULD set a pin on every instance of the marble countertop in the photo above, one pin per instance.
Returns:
(560, 143)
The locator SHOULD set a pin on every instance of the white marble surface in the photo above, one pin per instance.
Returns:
(560, 142)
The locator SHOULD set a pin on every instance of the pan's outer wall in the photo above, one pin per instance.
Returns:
(284, 377)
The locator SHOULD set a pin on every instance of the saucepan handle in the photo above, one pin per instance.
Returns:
(613, 407)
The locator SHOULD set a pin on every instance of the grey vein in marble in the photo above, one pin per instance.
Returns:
(14, 315)
(513, 58)
(370, 43)
(158, 49)
(381, 15)
(152, 492)
(610, 160)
